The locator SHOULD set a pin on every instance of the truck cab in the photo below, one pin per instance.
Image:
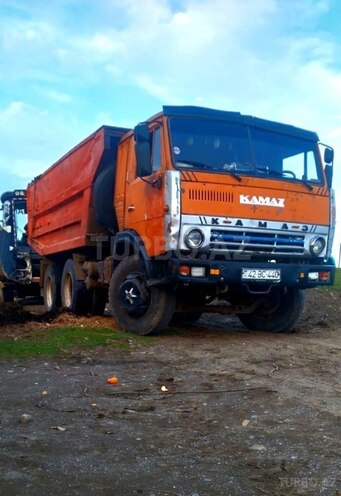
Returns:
(248, 187)
(229, 207)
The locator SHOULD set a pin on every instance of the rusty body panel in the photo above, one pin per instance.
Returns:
(140, 204)
(60, 201)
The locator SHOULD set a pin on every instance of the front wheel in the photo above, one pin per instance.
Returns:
(279, 313)
(135, 306)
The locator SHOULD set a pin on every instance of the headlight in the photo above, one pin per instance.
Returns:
(317, 245)
(194, 239)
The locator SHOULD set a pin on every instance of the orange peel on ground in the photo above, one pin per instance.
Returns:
(112, 380)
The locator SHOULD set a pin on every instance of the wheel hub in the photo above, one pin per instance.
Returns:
(130, 295)
(134, 294)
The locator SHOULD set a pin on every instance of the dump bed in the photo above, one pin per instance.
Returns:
(61, 203)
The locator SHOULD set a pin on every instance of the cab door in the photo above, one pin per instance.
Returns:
(145, 189)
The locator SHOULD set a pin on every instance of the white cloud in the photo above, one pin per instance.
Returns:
(99, 47)
(161, 91)
(57, 96)
(226, 53)
(12, 111)
(23, 33)
(257, 56)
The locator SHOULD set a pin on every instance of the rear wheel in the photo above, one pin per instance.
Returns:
(73, 292)
(51, 289)
(280, 313)
(135, 306)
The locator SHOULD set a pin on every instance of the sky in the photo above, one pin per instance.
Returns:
(69, 66)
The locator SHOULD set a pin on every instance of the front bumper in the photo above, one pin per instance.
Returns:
(298, 275)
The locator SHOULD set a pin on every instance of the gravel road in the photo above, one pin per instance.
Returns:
(208, 410)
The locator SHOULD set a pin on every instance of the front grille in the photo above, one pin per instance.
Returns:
(207, 195)
(257, 242)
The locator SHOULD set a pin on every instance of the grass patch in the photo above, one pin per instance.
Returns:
(59, 341)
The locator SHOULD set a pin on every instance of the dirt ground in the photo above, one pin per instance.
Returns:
(212, 409)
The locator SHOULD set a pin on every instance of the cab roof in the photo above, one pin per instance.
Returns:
(237, 117)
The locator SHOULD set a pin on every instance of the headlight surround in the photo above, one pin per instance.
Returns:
(317, 245)
(194, 239)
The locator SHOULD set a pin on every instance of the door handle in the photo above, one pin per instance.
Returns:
(131, 208)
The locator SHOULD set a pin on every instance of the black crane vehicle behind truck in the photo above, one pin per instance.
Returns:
(19, 263)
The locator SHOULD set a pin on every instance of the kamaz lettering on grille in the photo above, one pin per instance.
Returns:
(266, 201)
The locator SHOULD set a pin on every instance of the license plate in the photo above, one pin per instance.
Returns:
(261, 274)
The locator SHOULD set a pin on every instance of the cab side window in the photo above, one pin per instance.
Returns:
(156, 150)
(147, 149)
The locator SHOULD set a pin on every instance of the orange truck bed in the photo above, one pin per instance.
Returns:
(60, 202)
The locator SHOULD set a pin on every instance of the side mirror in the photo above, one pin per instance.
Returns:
(143, 150)
(328, 155)
(141, 133)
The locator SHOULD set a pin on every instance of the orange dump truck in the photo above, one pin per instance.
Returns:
(195, 210)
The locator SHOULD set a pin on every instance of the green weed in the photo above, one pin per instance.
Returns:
(60, 341)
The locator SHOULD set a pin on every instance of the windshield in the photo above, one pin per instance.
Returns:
(219, 146)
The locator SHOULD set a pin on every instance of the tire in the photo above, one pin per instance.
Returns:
(181, 318)
(51, 289)
(103, 192)
(135, 307)
(279, 314)
(73, 292)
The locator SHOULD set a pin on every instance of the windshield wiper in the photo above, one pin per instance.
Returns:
(232, 173)
(282, 174)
